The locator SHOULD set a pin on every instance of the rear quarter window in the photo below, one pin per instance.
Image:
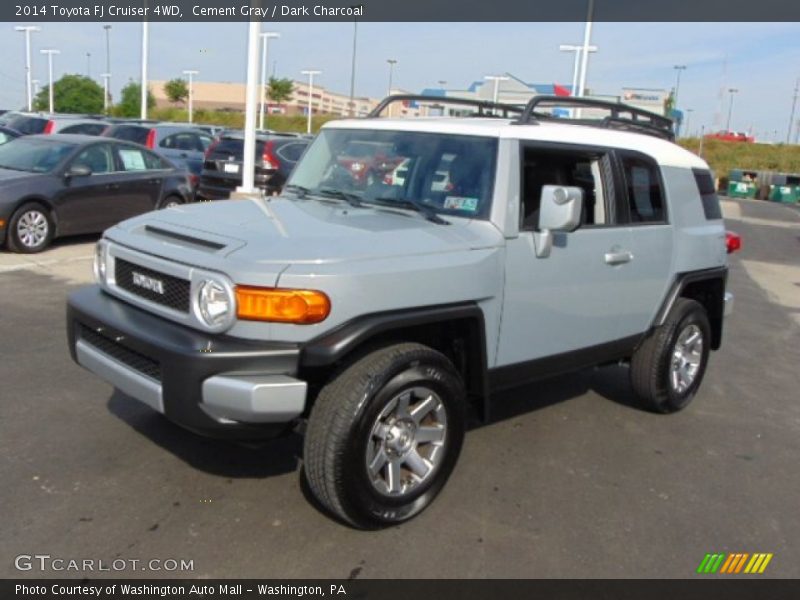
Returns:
(708, 194)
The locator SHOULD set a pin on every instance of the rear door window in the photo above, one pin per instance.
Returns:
(708, 194)
(645, 192)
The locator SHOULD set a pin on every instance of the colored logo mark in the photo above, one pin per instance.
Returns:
(734, 563)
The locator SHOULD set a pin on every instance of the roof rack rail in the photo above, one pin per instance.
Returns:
(481, 105)
(622, 116)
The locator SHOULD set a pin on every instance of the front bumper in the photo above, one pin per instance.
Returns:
(214, 385)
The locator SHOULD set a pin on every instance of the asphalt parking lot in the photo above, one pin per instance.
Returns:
(569, 480)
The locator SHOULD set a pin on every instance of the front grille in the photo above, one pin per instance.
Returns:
(139, 362)
(176, 290)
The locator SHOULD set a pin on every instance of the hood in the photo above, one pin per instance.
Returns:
(11, 176)
(281, 231)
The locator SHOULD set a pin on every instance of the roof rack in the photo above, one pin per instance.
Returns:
(481, 105)
(622, 116)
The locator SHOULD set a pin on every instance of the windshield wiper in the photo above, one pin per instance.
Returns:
(299, 190)
(351, 199)
(425, 211)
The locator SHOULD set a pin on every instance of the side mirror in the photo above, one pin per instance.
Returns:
(78, 171)
(560, 210)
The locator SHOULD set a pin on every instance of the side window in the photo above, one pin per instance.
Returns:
(85, 128)
(132, 159)
(541, 167)
(205, 141)
(154, 162)
(186, 142)
(708, 195)
(645, 194)
(97, 157)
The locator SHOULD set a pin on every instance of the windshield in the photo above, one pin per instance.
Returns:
(445, 173)
(36, 156)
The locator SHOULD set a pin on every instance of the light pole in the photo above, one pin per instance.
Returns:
(679, 69)
(587, 38)
(28, 29)
(89, 65)
(143, 81)
(576, 63)
(310, 74)
(265, 37)
(191, 75)
(731, 91)
(794, 105)
(107, 75)
(353, 70)
(251, 106)
(689, 112)
(497, 79)
(392, 62)
(50, 52)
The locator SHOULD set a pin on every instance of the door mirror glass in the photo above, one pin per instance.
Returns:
(561, 208)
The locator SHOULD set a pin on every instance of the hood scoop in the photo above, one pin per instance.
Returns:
(184, 239)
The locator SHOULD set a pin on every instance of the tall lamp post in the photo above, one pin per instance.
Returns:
(689, 112)
(731, 91)
(28, 29)
(791, 116)
(587, 39)
(679, 69)
(265, 38)
(310, 74)
(576, 63)
(89, 65)
(190, 74)
(392, 62)
(107, 75)
(143, 81)
(352, 110)
(251, 107)
(497, 79)
(50, 52)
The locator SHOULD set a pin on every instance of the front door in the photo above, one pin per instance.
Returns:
(572, 302)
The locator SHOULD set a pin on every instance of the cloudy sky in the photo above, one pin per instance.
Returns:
(761, 60)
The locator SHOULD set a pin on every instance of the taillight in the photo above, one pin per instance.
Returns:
(151, 139)
(48, 129)
(268, 158)
(210, 149)
(733, 242)
(193, 180)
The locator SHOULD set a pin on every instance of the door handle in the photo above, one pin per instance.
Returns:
(112, 186)
(618, 257)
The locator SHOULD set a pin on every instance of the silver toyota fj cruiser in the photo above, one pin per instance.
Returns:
(411, 269)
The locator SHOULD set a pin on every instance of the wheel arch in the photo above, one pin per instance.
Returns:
(706, 287)
(38, 199)
(455, 330)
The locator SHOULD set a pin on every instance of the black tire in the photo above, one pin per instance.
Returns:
(652, 363)
(31, 212)
(340, 430)
(171, 200)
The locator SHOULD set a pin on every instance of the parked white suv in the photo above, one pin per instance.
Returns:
(380, 308)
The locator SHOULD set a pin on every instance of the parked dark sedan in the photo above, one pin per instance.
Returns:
(276, 156)
(64, 184)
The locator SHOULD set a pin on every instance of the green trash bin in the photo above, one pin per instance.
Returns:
(789, 193)
(742, 189)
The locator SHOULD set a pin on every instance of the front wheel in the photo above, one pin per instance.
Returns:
(385, 434)
(30, 229)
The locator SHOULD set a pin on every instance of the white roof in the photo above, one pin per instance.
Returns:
(664, 152)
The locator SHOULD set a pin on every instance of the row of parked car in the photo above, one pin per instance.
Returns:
(72, 174)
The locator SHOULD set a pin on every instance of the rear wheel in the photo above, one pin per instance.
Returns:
(30, 229)
(384, 435)
(667, 369)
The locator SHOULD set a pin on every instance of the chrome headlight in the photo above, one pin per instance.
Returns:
(215, 304)
(100, 261)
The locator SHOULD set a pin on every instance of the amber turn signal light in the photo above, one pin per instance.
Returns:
(281, 305)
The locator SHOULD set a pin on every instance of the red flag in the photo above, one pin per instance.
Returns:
(560, 90)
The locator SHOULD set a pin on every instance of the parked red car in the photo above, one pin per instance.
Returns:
(731, 136)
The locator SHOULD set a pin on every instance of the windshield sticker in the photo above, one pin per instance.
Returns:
(465, 203)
